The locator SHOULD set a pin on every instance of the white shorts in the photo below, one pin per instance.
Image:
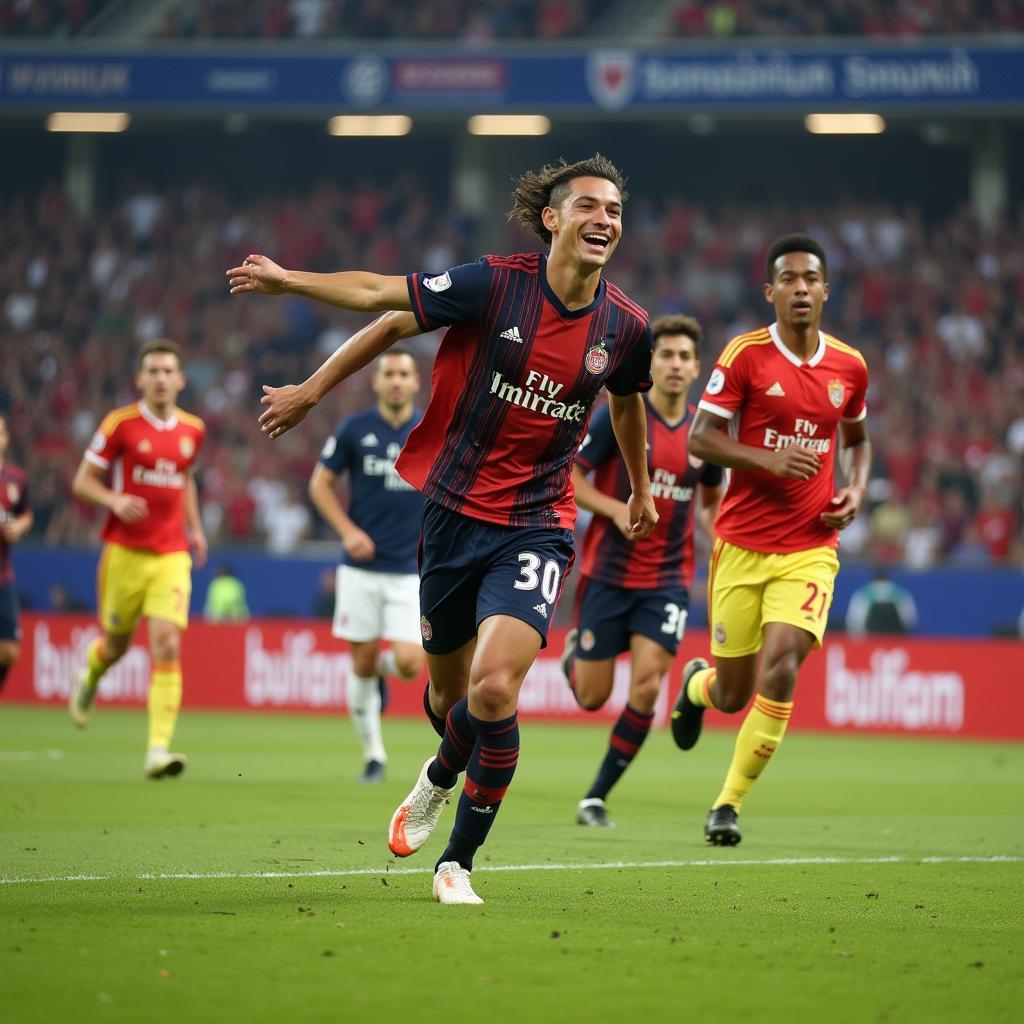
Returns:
(376, 606)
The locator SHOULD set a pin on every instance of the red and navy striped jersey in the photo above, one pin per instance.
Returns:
(513, 384)
(13, 503)
(665, 558)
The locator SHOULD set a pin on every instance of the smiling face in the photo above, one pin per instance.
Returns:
(798, 290)
(587, 224)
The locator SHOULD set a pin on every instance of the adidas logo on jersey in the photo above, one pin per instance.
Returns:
(512, 334)
(776, 391)
(367, 440)
(541, 609)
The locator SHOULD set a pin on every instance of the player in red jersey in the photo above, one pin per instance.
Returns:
(532, 338)
(15, 522)
(771, 411)
(147, 451)
(634, 595)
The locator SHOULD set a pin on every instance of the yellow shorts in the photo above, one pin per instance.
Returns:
(133, 582)
(747, 589)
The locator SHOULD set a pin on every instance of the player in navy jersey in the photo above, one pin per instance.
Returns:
(634, 595)
(531, 340)
(15, 522)
(377, 587)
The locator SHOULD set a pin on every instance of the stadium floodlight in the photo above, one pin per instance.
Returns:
(509, 124)
(370, 124)
(845, 124)
(87, 121)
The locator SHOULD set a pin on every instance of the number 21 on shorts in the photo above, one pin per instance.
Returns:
(530, 578)
(817, 600)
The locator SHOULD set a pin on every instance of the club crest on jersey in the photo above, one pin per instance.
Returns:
(13, 493)
(587, 640)
(597, 359)
(145, 445)
(715, 382)
(187, 446)
(426, 630)
(836, 392)
(441, 283)
(720, 636)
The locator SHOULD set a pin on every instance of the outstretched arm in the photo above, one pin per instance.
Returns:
(358, 290)
(630, 426)
(287, 406)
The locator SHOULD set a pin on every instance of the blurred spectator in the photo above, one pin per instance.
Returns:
(62, 600)
(880, 606)
(225, 597)
(287, 523)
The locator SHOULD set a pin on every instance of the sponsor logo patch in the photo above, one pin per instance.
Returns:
(715, 382)
(426, 631)
(541, 610)
(145, 445)
(512, 334)
(441, 283)
(776, 391)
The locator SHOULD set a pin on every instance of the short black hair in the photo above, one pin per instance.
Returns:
(677, 323)
(159, 345)
(793, 243)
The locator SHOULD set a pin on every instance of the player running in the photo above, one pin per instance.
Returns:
(146, 451)
(532, 339)
(15, 522)
(377, 589)
(634, 595)
(771, 412)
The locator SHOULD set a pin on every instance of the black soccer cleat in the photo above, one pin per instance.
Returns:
(722, 827)
(592, 811)
(372, 772)
(687, 717)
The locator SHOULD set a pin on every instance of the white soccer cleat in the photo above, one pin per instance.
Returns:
(452, 886)
(418, 815)
(160, 763)
(80, 700)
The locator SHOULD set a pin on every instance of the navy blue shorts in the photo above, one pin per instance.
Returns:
(470, 570)
(607, 616)
(9, 628)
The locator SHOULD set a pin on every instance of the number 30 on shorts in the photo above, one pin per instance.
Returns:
(675, 621)
(530, 579)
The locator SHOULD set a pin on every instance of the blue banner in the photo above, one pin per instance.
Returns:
(890, 78)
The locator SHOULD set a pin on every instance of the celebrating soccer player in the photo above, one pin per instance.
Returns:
(15, 522)
(634, 595)
(771, 412)
(377, 590)
(148, 450)
(532, 338)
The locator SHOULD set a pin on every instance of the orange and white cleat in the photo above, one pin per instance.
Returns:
(417, 816)
(452, 885)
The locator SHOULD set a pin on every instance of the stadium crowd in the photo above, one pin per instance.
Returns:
(937, 309)
(481, 21)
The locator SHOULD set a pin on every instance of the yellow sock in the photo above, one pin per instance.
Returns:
(164, 701)
(698, 689)
(759, 737)
(95, 666)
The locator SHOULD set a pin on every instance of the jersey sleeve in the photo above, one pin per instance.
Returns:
(336, 454)
(106, 443)
(856, 408)
(599, 445)
(726, 388)
(634, 374)
(454, 297)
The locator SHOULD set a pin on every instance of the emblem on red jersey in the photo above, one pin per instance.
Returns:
(425, 628)
(720, 633)
(587, 640)
(597, 359)
(13, 493)
(836, 392)
(187, 446)
(145, 445)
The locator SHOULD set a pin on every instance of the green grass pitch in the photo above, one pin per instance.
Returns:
(879, 879)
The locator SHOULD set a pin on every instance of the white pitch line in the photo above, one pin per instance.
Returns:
(150, 876)
(31, 755)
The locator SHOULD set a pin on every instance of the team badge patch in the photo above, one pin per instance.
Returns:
(13, 493)
(597, 359)
(587, 640)
(145, 446)
(98, 441)
(715, 382)
(836, 392)
(720, 636)
(187, 446)
(441, 283)
(426, 631)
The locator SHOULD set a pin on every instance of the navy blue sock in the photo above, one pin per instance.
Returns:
(436, 721)
(457, 742)
(488, 776)
(628, 735)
